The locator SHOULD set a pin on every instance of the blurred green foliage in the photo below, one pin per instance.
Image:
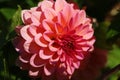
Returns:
(107, 33)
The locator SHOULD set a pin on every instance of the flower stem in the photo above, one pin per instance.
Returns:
(113, 70)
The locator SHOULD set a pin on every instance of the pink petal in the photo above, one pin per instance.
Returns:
(31, 73)
(59, 5)
(51, 47)
(76, 64)
(58, 28)
(60, 51)
(92, 41)
(79, 56)
(38, 41)
(24, 33)
(35, 17)
(33, 30)
(32, 61)
(48, 25)
(43, 55)
(67, 13)
(85, 48)
(26, 46)
(70, 69)
(62, 58)
(37, 14)
(91, 48)
(48, 35)
(48, 69)
(82, 16)
(77, 18)
(61, 19)
(50, 13)
(83, 30)
(89, 33)
(26, 16)
(45, 5)
(23, 60)
(54, 58)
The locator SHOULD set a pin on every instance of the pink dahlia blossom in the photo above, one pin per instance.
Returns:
(53, 40)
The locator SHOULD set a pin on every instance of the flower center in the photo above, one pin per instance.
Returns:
(67, 44)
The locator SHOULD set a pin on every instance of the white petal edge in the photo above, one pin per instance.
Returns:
(47, 72)
(52, 48)
(31, 73)
(32, 61)
(43, 56)
(24, 34)
(23, 60)
(37, 40)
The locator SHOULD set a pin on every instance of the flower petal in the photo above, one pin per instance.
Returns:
(35, 17)
(38, 41)
(33, 30)
(76, 64)
(51, 47)
(26, 17)
(48, 36)
(54, 58)
(43, 55)
(77, 19)
(48, 25)
(26, 46)
(31, 73)
(32, 61)
(59, 5)
(48, 69)
(45, 5)
(23, 60)
(79, 56)
(24, 33)
(67, 13)
(50, 13)
(89, 33)
(60, 51)
(70, 69)
(62, 58)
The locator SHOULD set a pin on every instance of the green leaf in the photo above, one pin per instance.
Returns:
(8, 32)
(7, 12)
(113, 36)
(101, 36)
(114, 76)
(113, 60)
(111, 33)
(16, 20)
(114, 57)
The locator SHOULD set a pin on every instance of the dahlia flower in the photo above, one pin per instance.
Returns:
(53, 40)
